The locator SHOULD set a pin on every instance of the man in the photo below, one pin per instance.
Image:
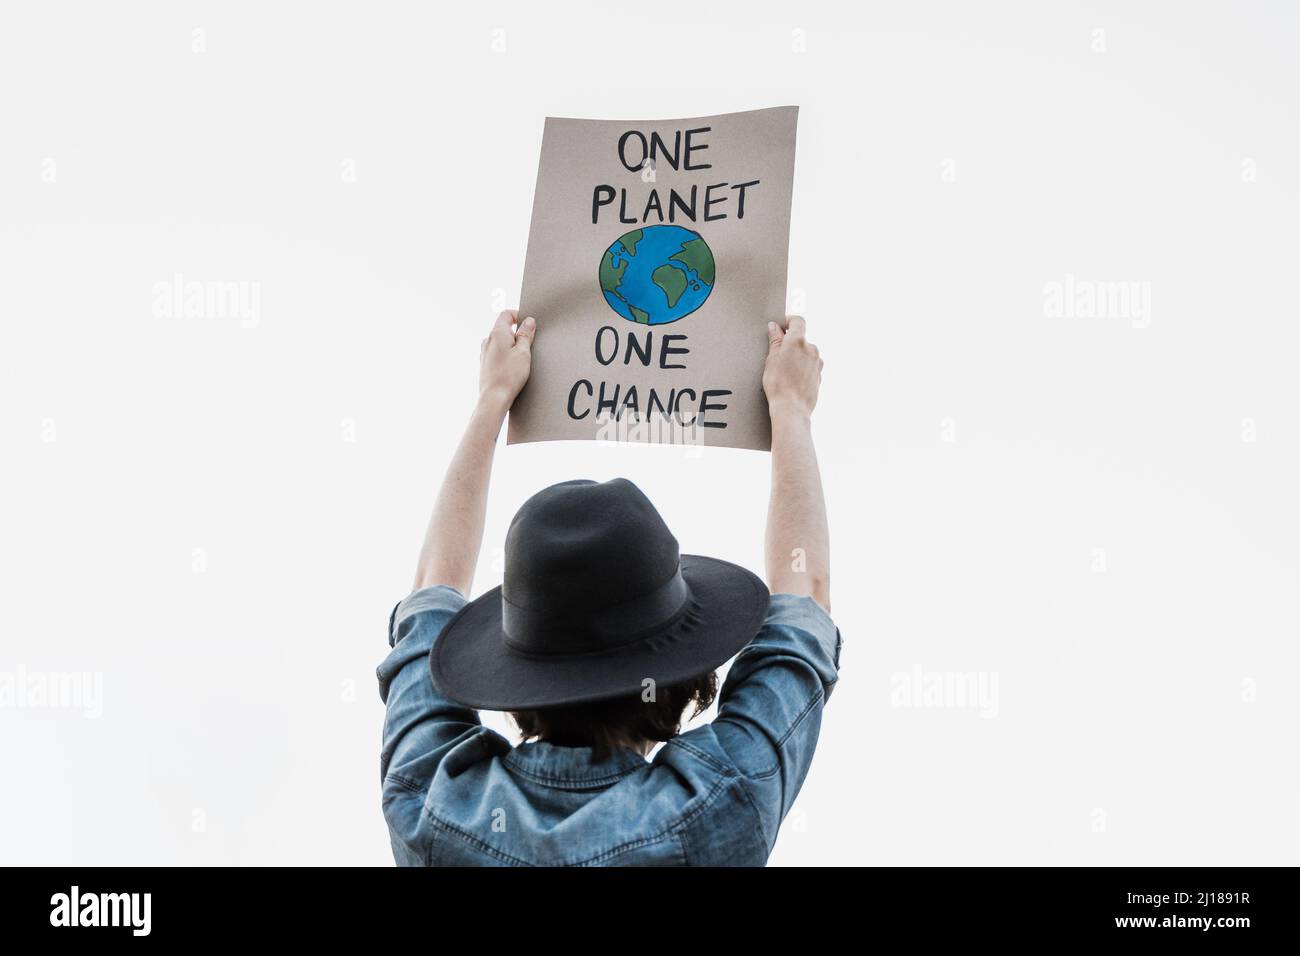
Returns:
(600, 637)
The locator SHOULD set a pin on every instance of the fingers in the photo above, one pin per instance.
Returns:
(526, 332)
(775, 335)
(795, 326)
(509, 331)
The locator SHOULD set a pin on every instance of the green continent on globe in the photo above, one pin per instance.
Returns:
(611, 275)
(630, 240)
(695, 255)
(642, 317)
(672, 280)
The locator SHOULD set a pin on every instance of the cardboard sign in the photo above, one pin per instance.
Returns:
(656, 257)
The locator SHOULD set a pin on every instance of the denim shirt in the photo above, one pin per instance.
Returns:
(458, 794)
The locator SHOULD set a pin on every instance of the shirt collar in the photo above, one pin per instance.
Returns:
(571, 768)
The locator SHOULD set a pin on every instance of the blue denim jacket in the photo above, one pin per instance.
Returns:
(458, 794)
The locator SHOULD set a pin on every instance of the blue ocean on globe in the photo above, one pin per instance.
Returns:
(657, 274)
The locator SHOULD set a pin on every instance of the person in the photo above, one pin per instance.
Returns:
(598, 641)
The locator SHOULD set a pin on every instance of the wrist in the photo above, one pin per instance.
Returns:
(489, 415)
(494, 402)
(790, 411)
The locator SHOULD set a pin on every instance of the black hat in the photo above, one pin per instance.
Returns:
(596, 600)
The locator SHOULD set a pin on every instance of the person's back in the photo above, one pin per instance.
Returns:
(599, 640)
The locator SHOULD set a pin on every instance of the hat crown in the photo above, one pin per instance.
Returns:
(579, 549)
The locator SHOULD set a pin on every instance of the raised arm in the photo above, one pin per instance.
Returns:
(797, 545)
(455, 534)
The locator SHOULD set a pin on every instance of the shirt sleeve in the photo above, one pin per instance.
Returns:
(420, 725)
(770, 707)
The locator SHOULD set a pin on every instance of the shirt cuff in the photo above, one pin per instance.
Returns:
(804, 613)
(440, 597)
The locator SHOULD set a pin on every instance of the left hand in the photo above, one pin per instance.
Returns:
(792, 374)
(506, 358)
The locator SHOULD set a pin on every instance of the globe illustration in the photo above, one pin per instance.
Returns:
(657, 274)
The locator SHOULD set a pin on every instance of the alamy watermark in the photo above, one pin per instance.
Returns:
(955, 690)
(183, 298)
(128, 910)
(53, 690)
(652, 428)
(1092, 299)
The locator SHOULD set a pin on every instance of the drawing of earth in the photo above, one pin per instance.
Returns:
(657, 274)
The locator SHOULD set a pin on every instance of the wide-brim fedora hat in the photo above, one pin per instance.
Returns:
(596, 601)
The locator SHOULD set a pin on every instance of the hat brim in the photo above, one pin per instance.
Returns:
(472, 664)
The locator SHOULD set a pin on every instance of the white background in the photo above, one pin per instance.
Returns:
(1070, 506)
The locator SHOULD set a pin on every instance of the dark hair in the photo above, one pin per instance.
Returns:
(608, 725)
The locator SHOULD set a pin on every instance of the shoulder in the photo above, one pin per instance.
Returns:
(722, 825)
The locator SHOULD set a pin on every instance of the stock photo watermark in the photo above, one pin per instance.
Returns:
(181, 298)
(919, 689)
(77, 909)
(25, 689)
(1074, 298)
(667, 428)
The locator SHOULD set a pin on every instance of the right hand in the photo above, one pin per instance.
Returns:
(505, 358)
(793, 372)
